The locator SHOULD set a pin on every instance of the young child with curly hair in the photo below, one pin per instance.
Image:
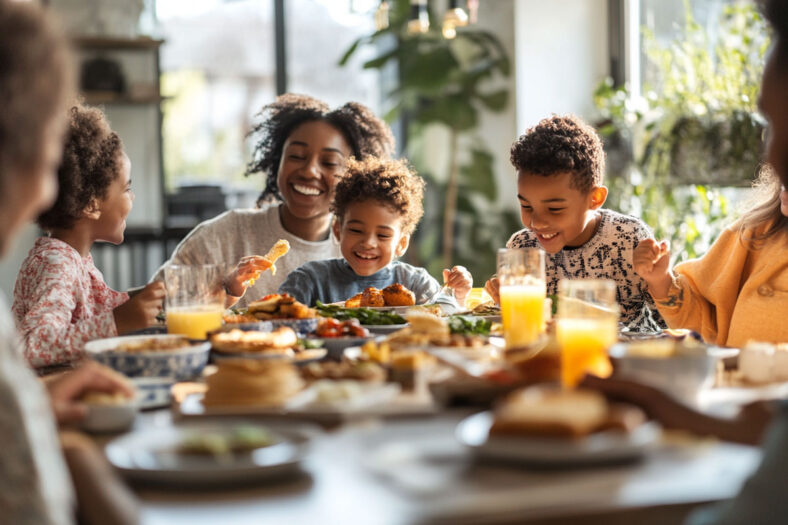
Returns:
(60, 298)
(560, 165)
(377, 205)
(302, 149)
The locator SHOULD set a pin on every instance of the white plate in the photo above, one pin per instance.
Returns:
(384, 328)
(149, 455)
(304, 356)
(602, 447)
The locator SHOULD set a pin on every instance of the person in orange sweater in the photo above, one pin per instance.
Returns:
(736, 292)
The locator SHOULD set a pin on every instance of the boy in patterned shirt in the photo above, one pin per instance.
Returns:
(560, 164)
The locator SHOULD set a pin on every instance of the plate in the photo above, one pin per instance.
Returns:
(598, 448)
(384, 328)
(149, 455)
(304, 356)
(336, 345)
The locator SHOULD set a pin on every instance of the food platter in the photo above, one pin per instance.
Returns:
(152, 455)
(597, 448)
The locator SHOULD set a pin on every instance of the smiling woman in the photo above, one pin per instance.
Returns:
(302, 148)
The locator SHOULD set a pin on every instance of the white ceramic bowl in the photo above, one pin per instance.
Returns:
(110, 417)
(179, 364)
(682, 375)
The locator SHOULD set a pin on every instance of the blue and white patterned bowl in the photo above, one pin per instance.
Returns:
(153, 392)
(302, 327)
(179, 364)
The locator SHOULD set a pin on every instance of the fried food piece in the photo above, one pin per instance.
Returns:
(372, 297)
(267, 261)
(353, 302)
(276, 306)
(398, 295)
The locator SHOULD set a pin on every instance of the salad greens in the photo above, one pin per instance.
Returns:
(366, 316)
(469, 325)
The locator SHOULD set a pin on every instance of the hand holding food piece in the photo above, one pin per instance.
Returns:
(67, 390)
(492, 287)
(460, 280)
(651, 261)
(141, 310)
(249, 268)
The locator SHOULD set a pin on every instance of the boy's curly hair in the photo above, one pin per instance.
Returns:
(36, 83)
(559, 145)
(91, 161)
(366, 133)
(392, 183)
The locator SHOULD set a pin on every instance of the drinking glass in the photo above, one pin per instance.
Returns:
(195, 299)
(586, 327)
(522, 295)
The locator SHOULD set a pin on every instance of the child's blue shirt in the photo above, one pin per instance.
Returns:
(333, 280)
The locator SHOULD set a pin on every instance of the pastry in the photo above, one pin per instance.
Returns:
(255, 382)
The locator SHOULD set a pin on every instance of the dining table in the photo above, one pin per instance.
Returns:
(414, 470)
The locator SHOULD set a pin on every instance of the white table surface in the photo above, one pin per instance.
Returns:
(407, 471)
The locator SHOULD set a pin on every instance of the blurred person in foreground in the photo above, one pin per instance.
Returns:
(36, 85)
(762, 499)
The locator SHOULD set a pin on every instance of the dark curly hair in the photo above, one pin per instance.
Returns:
(559, 145)
(91, 161)
(365, 132)
(36, 83)
(392, 183)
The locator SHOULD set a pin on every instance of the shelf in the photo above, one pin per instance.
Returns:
(91, 42)
(95, 98)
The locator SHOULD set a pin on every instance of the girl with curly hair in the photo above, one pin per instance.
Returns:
(302, 148)
(60, 299)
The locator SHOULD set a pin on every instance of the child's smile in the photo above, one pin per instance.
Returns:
(370, 236)
(558, 214)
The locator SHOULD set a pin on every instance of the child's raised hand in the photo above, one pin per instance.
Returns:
(651, 261)
(492, 287)
(141, 310)
(460, 280)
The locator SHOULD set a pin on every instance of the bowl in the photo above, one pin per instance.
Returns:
(179, 364)
(683, 374)
(302, 327)
(335, 346)
(110, 417)
(153, 392)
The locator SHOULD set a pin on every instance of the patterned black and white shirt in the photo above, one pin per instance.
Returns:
(607, 255)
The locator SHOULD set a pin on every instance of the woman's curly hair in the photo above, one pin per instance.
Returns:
(36, 83)
(392, 183)
(559, 145)
(366, 133)
(91, 161)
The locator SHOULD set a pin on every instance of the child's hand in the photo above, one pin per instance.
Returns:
(460, 280)
(141, 310)
(244, 274)
(492, 287)
(651, 261)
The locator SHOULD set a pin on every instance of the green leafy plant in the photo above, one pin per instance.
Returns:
(695, 130)
(448, 83)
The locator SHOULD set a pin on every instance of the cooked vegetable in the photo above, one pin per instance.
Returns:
(469, 325)
(366, 316)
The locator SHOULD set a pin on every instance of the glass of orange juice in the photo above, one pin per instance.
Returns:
(522, 295)
(195, 299)
(586, 327)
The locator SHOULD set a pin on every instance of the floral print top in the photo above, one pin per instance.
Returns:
(61, 302)
(607, 255)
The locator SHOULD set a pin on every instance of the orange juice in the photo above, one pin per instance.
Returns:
(584, 344)
(194, 322)
(522, 313)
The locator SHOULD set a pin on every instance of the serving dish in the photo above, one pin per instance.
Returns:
(179, 364)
